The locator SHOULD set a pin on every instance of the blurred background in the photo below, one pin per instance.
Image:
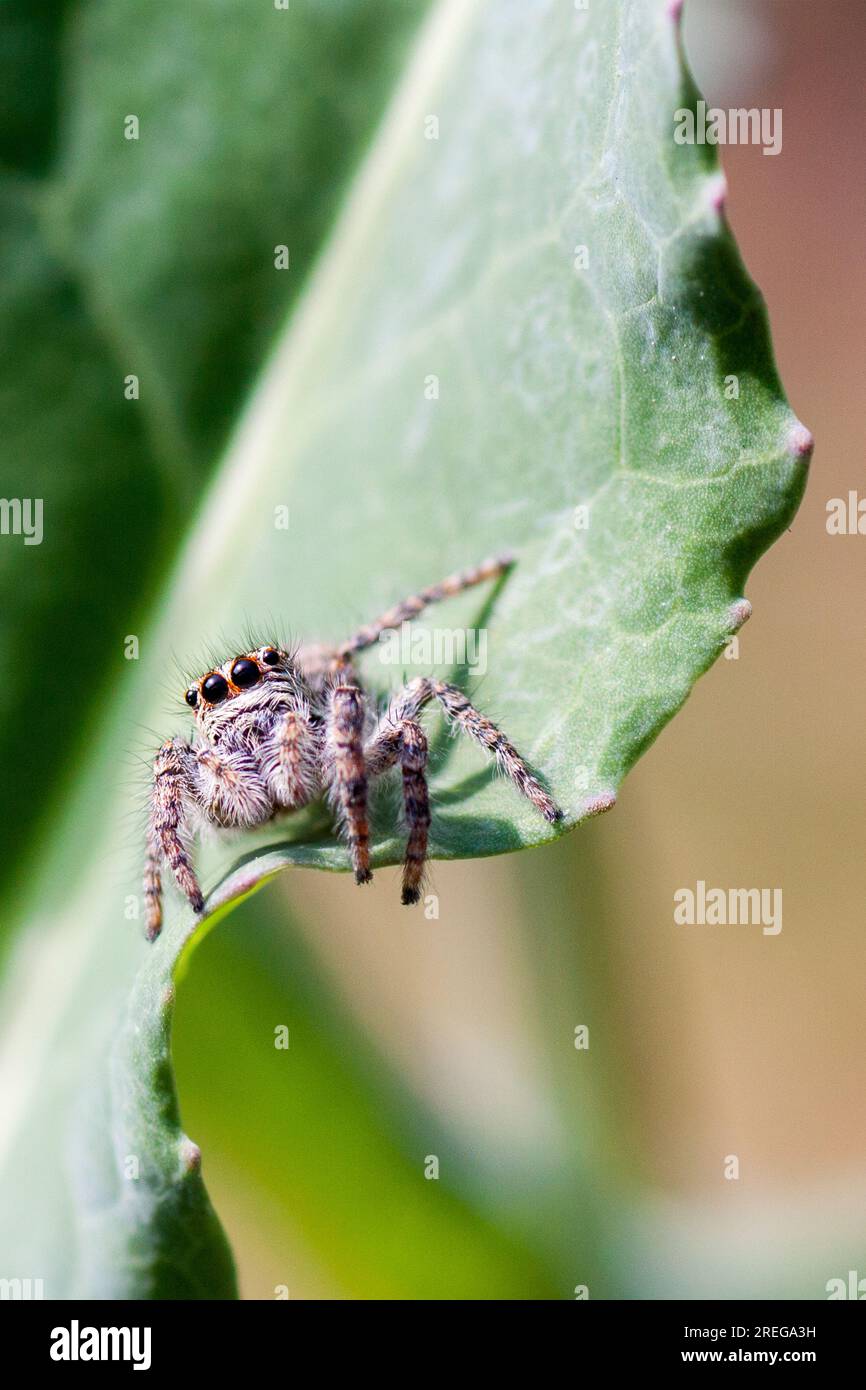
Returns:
(455, 1037)
(447, 1045)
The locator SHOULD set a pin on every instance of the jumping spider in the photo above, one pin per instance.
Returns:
(277, 730)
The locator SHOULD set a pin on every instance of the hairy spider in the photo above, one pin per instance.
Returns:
(277, 730)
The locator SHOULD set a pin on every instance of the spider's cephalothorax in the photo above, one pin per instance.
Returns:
(276, 731)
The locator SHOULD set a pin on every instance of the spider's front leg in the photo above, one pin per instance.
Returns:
(172, 786)
(403, 741)
(346, 772)
(412, 607)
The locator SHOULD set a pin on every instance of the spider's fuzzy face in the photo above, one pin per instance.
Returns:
(237, 675)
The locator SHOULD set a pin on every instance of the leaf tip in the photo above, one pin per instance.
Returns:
(738, 614)
(597, 805)
(801, 442)
(674, 10)
(190, 1156)
(717, 193)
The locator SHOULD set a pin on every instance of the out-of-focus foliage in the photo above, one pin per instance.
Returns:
(154, 258)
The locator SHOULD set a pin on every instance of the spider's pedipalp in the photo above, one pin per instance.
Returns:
(291, 759)
(230, 787)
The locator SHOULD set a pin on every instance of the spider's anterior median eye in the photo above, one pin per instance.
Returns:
(215, 688)
(191, 697)
(245, 672)
(271, 657)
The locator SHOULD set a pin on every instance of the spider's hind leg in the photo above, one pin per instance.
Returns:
(462, 714)
(405, 742)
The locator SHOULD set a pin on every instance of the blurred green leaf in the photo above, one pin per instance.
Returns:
(458, 378)
(250, 118)
(155, 258)
(323, 1132)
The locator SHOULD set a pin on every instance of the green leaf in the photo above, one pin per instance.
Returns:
(564, 381)
(155, 258)
(559, 386)
(145, 1225)
(249, 118)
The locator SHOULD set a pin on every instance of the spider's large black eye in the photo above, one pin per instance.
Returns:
(191, 697)
(245, 672)
(271, 657)
(215, 688)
